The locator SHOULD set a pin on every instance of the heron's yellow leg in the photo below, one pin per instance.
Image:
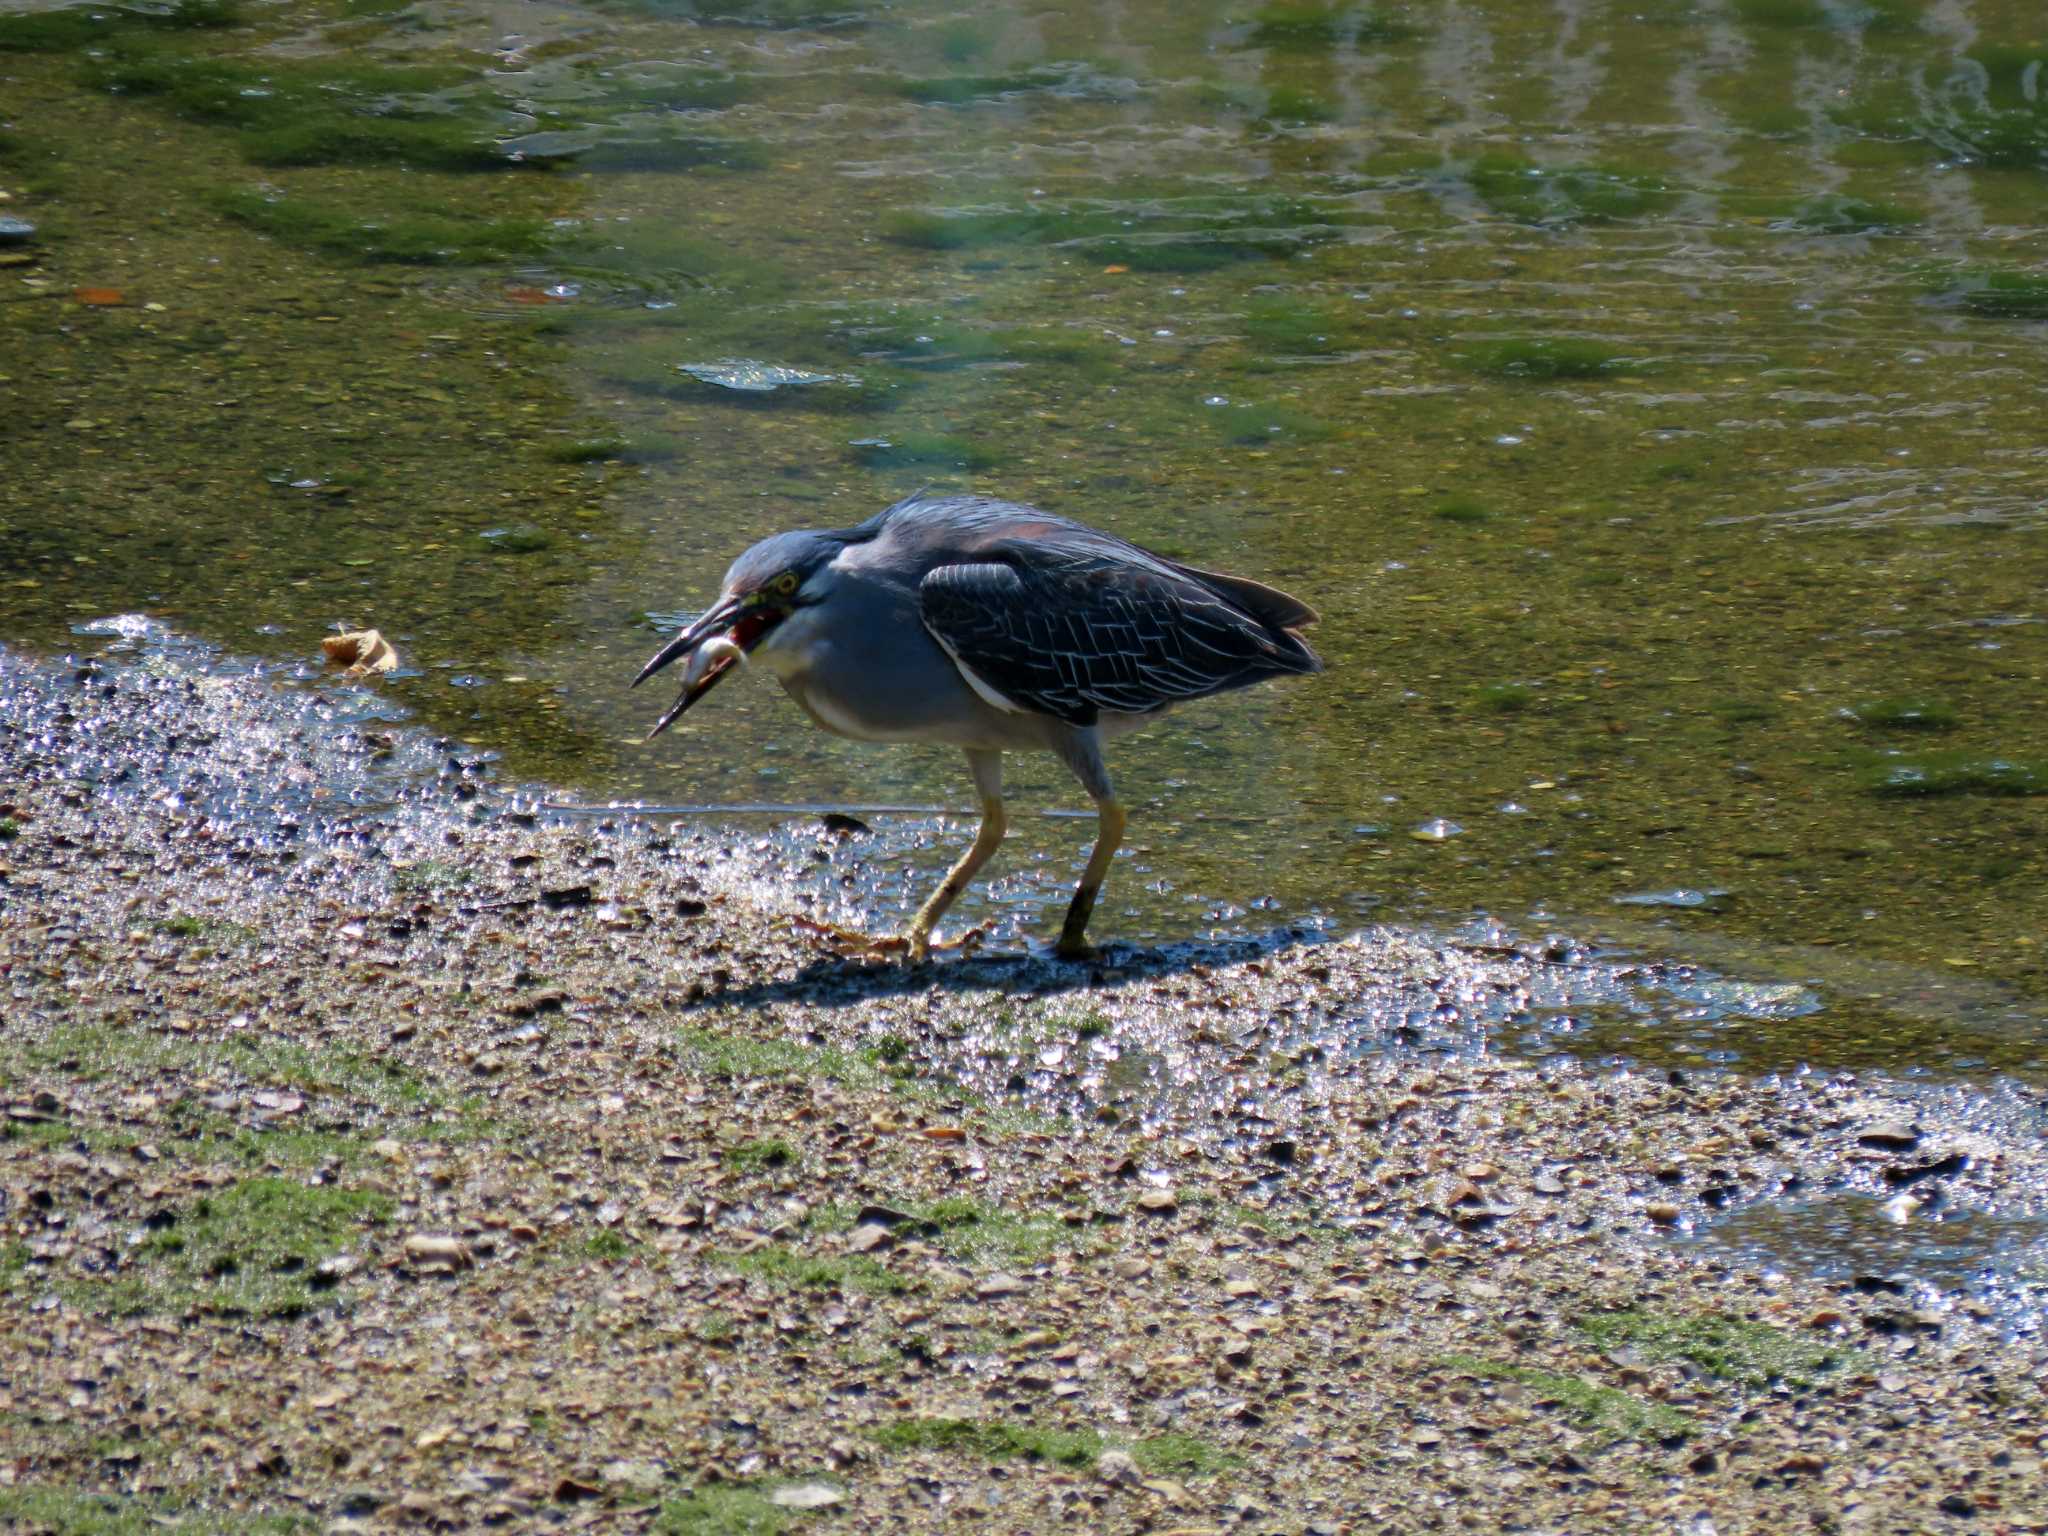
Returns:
(995, 825)
(1109, 837)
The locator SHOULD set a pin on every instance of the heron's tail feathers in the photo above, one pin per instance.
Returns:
(1269, 605)
(1284, 617)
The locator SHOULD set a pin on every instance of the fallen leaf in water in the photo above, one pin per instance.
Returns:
(1115, 270)
(100, 296)
(363, 652)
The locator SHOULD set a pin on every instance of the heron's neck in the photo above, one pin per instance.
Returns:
(787, 649)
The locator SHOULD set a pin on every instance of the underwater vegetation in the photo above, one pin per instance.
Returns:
(1144, 232)
(1996, 293)
(1984, 107)
(1520, 189)
(1307, 27)
(1515, 357)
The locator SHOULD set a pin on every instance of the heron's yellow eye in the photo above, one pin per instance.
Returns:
(785, 584)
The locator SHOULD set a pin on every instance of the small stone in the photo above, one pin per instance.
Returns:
(639, 1478)
(1117, 1469)
(869, 1238)
(434, 1255)
(1547, 1184)
(1480, 1215)
(15, 230)
(806, 1496)
(1890, 1136)
(1158, 1202)
(999, 1285)
(1662, 1212)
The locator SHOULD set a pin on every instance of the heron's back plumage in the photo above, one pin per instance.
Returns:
(1048, 615)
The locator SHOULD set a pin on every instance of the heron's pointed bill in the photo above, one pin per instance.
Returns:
(718, 639)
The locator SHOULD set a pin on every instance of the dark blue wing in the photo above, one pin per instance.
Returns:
(1074, 629)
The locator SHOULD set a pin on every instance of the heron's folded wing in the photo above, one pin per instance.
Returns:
(1080, 635)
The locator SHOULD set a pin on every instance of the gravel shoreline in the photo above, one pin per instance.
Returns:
(383, 1153)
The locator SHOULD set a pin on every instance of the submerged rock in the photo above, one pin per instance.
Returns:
(749, 376)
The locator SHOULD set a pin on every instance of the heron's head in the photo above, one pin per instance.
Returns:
(765, 586)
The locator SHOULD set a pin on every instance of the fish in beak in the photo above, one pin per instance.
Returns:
(719, 638)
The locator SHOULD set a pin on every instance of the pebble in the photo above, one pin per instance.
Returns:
(1000, 1285)
(643, 1478)
(1117, 1469)
(435, 1255)
(1890, 1136)
(15, 230)
(806, 1496)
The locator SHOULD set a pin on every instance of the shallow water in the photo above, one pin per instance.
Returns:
(1648, 396)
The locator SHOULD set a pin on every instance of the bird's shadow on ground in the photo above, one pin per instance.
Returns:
(834, 978)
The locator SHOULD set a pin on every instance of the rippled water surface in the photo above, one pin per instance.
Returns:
(1649, 396)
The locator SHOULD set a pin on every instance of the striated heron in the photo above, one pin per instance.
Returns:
(993, 627)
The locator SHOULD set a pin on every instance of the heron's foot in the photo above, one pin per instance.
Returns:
(1076, 948)
(913, 946)
(851, 943)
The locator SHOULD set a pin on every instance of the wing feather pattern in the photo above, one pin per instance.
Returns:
(1076, 631)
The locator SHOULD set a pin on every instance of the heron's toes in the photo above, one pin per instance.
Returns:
(912, 946)
(852, 944)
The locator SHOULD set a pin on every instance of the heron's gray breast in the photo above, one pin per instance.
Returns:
(878, 677)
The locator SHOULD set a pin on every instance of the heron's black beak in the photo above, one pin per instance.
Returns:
(719, 637)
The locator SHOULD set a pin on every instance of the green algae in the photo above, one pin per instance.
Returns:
(249, 1247)
(1732, 1349)
(1294, 104)
(784, 1268)
(1462, 509)
(1841, 215)
(937, 449)
(1609, 1412)
(82, 1511)
(724, 1509)
(1515, 357)
(1172, 1454)
(1996, 293)
(1308, 26)
(83, 27)
(1520, 189)
(1927, 775)
(1503, 698)
(616, 447)
(758, 1156)
(1140, 229)
(298, 113)
(1249, 425)
(1295, 329)
(1899, 714)
(414, 236)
